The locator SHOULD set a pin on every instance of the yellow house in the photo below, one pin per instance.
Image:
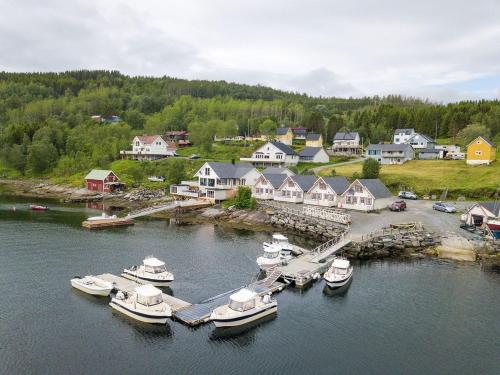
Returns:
(284, 135)
(481, 151)
(314, 140)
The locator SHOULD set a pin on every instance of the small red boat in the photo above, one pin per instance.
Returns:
(36, 207)
(494, 225)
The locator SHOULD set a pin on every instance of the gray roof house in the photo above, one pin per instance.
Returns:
(418, 141)
(278, 170)
(275, 179)
(294, 188)
(282, 131)
(339, 184)
(430, 153)
(314, 155)
(366, 195)
(346, 136)
(273, 154)
(390, 153)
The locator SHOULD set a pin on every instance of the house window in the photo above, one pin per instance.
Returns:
(322, 185)
(137, 143)
(368, 201)
(478, 153)
(290, 183)
(242, 181)
(207, 171)
(362, 200)
(358, 189)
(210, 194)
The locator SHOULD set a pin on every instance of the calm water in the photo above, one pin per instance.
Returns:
(421, 317)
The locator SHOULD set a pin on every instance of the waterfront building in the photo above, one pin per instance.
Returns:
(273, 154)
(314, 155)
(390, 153)
(267, 184)
(314, 140)
(366, 195)
(481, 151)
(480, 213)
(293, 188)
(149, 147)
(326, 191)
(104, 181)
(346, 143)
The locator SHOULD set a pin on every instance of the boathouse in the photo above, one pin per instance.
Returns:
(101, 180)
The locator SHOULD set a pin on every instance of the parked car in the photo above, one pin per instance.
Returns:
(444, 206)
(407, 195)
(398, 206)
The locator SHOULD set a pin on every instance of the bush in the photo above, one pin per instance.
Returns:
(371, 168)
(244, 198)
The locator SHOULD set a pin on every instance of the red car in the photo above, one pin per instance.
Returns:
(398, 206)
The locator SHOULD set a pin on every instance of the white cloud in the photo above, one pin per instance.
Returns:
(322, 47)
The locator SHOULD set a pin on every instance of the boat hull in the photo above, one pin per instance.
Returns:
(38, 208)
(333, 282)
(135, 277)
(234, 322)
(102, 292)
(140, 315)
(494, 226)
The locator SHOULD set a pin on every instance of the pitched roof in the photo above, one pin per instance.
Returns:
(305, 182)
(229, 170)
(484, 139)
(404, 131)
(376, 187)
(299, 130)
(313, 136)
(341, 136)
(493, 207)
(309, 151)
(389, 147)
(283, 147)
(430, 150)
(176, 132)
(277, 170)
(426, 137)
(339, 184)
(282, 131)
(147, 139)
(275, 179)
(98, 174)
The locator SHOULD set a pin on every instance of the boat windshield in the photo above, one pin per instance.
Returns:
(149, 300)
(341, 271)
(155, 269)
(242, 306)
(271, 255)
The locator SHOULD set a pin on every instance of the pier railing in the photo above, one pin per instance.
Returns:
(328, 214)
(330, 243)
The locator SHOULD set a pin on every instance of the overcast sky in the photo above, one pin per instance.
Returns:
(445, 50)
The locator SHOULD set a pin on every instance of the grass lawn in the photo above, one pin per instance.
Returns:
(220, 151)
(433, 176)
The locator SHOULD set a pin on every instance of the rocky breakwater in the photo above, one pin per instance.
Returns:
(391, 243)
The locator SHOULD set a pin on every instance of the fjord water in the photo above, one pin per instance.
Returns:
(419, 317)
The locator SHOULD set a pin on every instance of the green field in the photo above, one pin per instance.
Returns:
(221, 151)
(434, 176)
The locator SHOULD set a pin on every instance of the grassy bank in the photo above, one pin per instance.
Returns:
(434, 176)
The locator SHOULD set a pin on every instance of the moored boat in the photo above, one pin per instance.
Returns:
(245, 306)
(92, 285)
(153, 271)
(272, 257)
(144, 304)
(104, 216)
(37, 207)
(339, 273)
(493, 225)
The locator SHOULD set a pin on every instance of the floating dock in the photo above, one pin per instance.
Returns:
(107, 223)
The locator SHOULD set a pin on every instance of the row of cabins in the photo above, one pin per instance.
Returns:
(219, 181)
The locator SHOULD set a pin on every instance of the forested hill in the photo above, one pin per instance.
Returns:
(46, 124)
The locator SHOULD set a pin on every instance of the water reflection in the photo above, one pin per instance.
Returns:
(241, 335)
(96, 300)
(339, 292)
(146, 332)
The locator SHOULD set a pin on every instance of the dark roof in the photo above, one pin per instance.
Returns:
(276, 170)
(309, 151)
(430, 150)
(493, 207)
(376, 187)
(389, 147)
(228, 170)
(283, 147)
(313, 136)
(299, 130)
(339, 184)
(282, 131)
(275, 179)
(341, 136)
(405, 131)
(485, 139)
(304, 181)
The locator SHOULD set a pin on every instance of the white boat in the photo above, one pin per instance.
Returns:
(272, 257)
(339, 273)
(92, 285)
(104, 216)
(244, 306)
(282, 242)
(153, 271)
(144, 304)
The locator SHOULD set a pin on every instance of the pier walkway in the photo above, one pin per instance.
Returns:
(189, 204)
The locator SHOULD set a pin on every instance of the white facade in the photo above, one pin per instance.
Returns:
(358, 197)
(272, 154)
(321, 194)
(319, 157)
(151, 147)
(419, 141)
(403, 136)
(289, 191)
(263, 189)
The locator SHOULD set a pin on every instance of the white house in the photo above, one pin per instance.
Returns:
(267, 184)
(273, 154)
(293, 188)
(326, 191)
(219, 181)
(390, 153)
(149, 147)
(366, 195)
(346, 143)
(278, 170)
(419, 141)
(314, 155)
(403, 135)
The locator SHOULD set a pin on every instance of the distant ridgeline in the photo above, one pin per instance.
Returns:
(48, 120)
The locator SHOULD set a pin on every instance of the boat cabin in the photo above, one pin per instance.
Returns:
(242, 300)
(281, 241)
(341, 266)
(148, 295)
(154, 265)
(271, 251)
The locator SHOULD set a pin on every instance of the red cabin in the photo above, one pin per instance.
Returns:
(102, 181)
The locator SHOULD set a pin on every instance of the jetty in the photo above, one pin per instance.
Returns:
(107, 223)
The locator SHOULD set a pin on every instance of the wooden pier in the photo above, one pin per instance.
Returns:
(107, 223)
